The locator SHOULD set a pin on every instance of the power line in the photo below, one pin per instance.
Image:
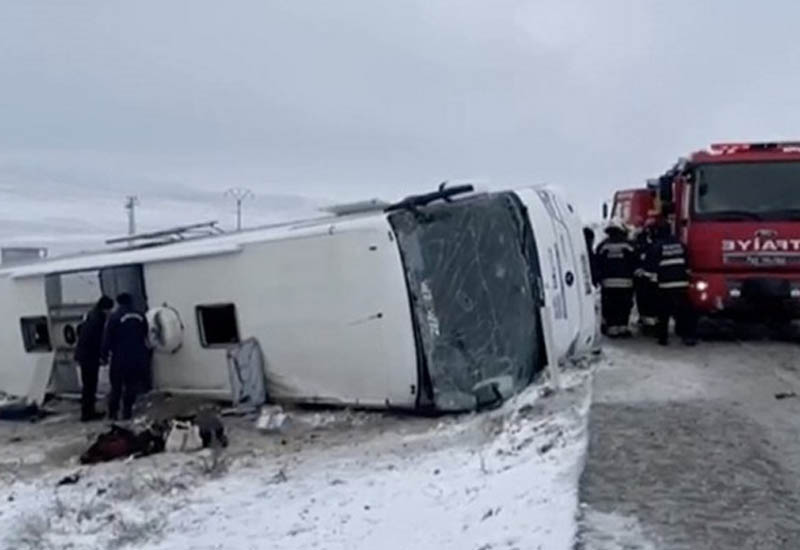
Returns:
(239, 194)
(131, 202)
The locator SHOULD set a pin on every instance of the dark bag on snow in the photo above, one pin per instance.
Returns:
(121, 443)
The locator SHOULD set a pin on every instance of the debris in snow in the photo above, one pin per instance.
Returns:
(546, 392)
(280, 477)
(71, 479)
(246, 375)
(17, 409)
(530, 411)
(547, 447)
(212, 431)
(184, 437)
(272, 419)
(120, 442)
(785, 395)
(213, 464)
(234, 412)
(322, 420)
(6, 399)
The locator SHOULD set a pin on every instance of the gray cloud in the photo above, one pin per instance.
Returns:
(352, 99)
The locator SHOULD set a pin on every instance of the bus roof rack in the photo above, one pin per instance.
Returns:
(359, 207)
(173, 234)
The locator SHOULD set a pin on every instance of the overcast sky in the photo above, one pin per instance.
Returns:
(339, 100)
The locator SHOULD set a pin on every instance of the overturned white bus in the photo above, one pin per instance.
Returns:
(449, 301)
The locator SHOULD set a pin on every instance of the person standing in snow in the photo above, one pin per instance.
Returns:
(645, 288)
(87, 354)
(126, 342)
(667, 265)
(615, 266)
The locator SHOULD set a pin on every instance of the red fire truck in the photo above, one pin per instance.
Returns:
(633, 207)
(736, 206)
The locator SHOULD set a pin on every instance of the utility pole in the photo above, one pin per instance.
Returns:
(131, 202)
(239, 194)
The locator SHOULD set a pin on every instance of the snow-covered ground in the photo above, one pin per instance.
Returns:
(687, 449)
(503, 479)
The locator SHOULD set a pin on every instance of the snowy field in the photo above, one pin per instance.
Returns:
(332, 480)
(681, 449)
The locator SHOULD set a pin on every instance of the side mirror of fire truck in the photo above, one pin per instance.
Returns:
(605, 211)
(703, 189)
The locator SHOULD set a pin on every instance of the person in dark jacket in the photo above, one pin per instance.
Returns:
(126, 342)
(87, 354)
(615, 266)
(645, 288)
(668, 267)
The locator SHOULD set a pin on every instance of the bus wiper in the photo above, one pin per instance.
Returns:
(734, 215)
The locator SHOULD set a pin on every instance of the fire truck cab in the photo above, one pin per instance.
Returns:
(736, 207)
(633, 207)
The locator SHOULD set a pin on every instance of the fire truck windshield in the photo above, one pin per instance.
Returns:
(754, 190)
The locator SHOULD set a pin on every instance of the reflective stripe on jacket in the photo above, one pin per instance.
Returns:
(617, 283)
(676, 284)
(667, 260)
(616, 262)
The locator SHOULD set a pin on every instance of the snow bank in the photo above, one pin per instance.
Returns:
(502, 479)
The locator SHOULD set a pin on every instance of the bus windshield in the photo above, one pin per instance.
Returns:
(471, 269)
(757, 191)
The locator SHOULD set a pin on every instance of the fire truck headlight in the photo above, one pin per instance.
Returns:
(701, 286)
(735, 293)
(795, 293)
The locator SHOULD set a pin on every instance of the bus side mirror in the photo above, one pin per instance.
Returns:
(605, 211)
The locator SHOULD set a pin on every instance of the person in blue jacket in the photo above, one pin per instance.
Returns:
(125, 345)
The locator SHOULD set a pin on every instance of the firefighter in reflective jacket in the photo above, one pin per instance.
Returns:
(667, 267)
(645, 288)
(615, 265)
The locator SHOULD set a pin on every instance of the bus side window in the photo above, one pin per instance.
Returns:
(35, 334)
